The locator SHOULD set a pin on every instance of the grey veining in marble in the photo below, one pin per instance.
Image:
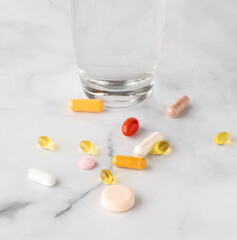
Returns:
(189, 194)
(74, 201)
(9, 209)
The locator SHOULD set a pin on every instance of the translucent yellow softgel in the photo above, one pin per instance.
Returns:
(161, 147)
(46, 142)
(87, 147)
(106, 176)
(222, 138)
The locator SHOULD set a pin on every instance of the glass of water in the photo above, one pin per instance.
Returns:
(117, 44)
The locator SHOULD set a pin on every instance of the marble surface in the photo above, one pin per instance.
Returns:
(189, 194)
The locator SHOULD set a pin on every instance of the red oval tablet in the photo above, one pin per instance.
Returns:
(130, 126)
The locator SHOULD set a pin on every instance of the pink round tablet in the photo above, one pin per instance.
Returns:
(86, 163)
(118, 198)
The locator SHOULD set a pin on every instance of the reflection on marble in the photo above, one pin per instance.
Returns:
(188, 194)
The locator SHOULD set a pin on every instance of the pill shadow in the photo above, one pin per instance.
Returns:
(57, 183)
(138, 202)
(116, 180)
(97, 151)
(231, 141)
(41, 187)
(169, 151)
(106, 109)
(141, 132)
(51, 147)
(96, 166)
(148, 168)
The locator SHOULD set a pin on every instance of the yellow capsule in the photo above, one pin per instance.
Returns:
(46, 142)
(160, 147)
(87, 147)
(106, 176)
(129, 162)
(86, 105)
(222, 138)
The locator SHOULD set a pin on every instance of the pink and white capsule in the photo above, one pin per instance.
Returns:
(178, 106)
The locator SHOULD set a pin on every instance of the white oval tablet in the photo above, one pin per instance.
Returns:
(143, 148)
(42, 177)
(118, 198)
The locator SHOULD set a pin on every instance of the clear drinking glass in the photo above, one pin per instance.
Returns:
(117, 44)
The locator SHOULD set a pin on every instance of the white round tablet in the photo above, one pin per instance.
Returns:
(118, 198)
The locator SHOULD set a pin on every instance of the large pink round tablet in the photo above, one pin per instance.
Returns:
(118, 198)
(86, 163)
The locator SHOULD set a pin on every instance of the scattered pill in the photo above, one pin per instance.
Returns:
(42, 177)
(86, 163)
(130, 126)
(222, 138)
(142, 149)
(106, 176)
(129, 162)
(178, 106)
(46, 142)
(118, 198)
(160, 147)
(86, 105)
(87, 147)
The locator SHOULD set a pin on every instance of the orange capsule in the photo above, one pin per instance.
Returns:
(86, 105)
(178, 106)
(129, 162)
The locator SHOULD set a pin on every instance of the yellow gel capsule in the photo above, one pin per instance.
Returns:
(129, 162)
(160, 147)
(106, 176)
(222, 138)
(87, 147)
(46, 142)
(86, 105)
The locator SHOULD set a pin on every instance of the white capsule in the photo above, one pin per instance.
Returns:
(142, 149)
(42, 177)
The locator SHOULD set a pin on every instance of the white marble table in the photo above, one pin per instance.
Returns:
(190, 194)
